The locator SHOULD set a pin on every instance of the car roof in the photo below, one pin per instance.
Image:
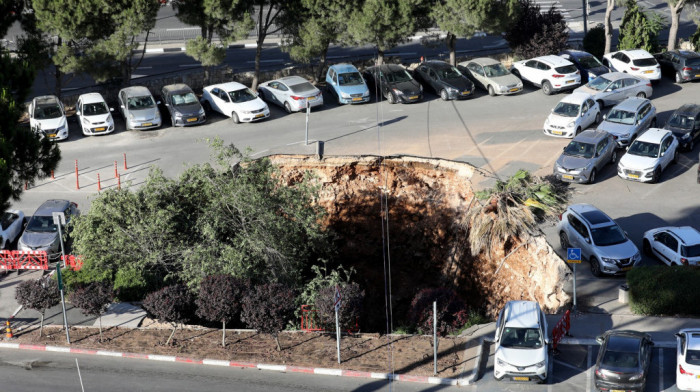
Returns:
(613, 76)
(591, 136)
(631, 104)
(693, 342)
(553, 60)
(136, 91)
(521, 314)
(637, 54)
(386, 67)
(91, 98)
(293, 79)
(436, 64)
(177, 87)
(576, 97)
(688, 234)
(686, 53)
(228, 86)
(576, 53)
(592, 215)
(689, 108)
(653, 135)
(343, 68)
(50, 206)
(46, 100)
(481, 61)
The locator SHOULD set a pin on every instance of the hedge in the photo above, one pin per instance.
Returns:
(663, 290)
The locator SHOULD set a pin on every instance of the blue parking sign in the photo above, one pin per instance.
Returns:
(573, 255)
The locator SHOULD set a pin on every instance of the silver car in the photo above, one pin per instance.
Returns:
(629, 119)
(613, 87)
(491, 75)
(139, 109)
(585, 156)
(291, 93)
(41, 234)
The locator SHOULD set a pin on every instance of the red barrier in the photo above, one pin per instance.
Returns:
(73, 262)
(307, 319)
(31, 260)
(7, 261)
(561, 329)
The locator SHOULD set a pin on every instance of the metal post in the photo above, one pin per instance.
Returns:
(308, 110)
(337, 333)
(574, 287)
(435, 343)
(60, 282)
(585, 17)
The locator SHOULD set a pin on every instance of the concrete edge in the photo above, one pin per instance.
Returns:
(592, 342)
(151, 50)
(481, 358)
(242, 365)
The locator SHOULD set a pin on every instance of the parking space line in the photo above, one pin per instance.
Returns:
(661, 369)
(589, 357)
(570, 366)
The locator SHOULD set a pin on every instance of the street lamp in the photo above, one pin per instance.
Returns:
(59, 219)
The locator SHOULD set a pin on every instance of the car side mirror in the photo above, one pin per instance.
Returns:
(122, 106)
(663, 153)
(111, 109)
(546, 341)
(627, 148)
(157, 102)
(167, 104)
(605, 117)
(607, 90)
(599, 339)
(678, 335)
(77, 112)
(588, 240)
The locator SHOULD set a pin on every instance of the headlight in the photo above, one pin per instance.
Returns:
(86, 121)
(178, 115)
(650, 168)
(366, 93)
(625, 135)
(540, 364)
(546, 122)
(520, 85)
(637, 376)
(344, 95)
(571, 124)
(501, 362)
(452, 90)
(131, 116)
(397, 91)
(157, 115)
(637, 256)
(608, 260)
(200, 112)
(110, 120)
(421, 87)
(685, 136)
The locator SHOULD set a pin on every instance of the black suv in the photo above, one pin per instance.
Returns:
(683, 65)
(685, 125)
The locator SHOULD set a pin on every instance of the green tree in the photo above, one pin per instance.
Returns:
(594, 41)
(639, 30)
(536, 33)
(463, 18)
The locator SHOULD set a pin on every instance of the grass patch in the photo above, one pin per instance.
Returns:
(474, 319)
(662, 290)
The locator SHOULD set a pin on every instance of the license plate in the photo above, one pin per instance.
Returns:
(146, 124)
(100, 129)
(413, 97)
(466, 92)
(52, 135)
(513, 90)
(647, 72)
(633, 175)
(260, 115)
(558, 132)
(567, 176)
(697, 76)
(521, 378)
(698, 376)
(193, 119)
(569, 81)
(356, 99)
(625, 269)
(617, 390)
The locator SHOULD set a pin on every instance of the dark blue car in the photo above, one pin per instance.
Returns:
(587, 63)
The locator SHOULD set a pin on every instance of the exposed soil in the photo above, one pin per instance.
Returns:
(404, 354)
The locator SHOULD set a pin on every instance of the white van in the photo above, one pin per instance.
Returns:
(521, 343)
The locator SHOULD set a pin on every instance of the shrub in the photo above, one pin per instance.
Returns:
(93, 299)
(38, 295)
(129, 284)
(172, 304)
(451, 311)
(220, 300)
(662, 290)
(537, 33)
(267, 308)
(594, 41)
(695, 39)
(350, 306)
(639, 30)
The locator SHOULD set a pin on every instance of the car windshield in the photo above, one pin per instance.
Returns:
(42, 224)
(690, 251)
(566, 69)
(243, 95)
(448, 73)
(145, 102)
(184, 99)
(620, 359)
(620, 117)
(350, 79)
(692, 357)
(600, 83)
(644, 149)
(608, 235)
(302, 87)
(495, 70)
(95, 109)
(681, 121)
(567, 109)
(521, 338)
(578, 149)
(648, 62)
(589, 62)
(398, 76)
(47, 112)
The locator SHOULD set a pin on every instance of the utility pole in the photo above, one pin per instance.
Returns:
(59, 219)
(585, 17)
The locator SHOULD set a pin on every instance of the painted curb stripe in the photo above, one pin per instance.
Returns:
(58, 349)
(277, 368)
(109, 353)
(82, 351)
(328, 372)
(299, 369)
(215, 362)
(32, 347)
(188, 360)
(355, 373)
(242, 364)
(382, 376)
(9, 345)
(441, 381)
(135, 355)
(165, 358)
(406, 377)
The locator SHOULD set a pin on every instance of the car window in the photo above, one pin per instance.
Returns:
(584, 107)
(543, 66)
(589, 62)
(690, 251)
(531, 64)
(681, 121)
(644, 149)
(495, 70)
(681, 338)
(617, 56)
(578, 226)
(187, 98)
(600, 83)
(666, 143)
(672, 243)
(302, 87)
(675, 58)
(45, 112)
(432, 74)
(608, 235)
(475, 68)
(629, 82)
(566, 109)
(282, 87)
(576, 148)
(647, 62)
(94, 109)
(524, 338)
(621, 117)
(331, 73)
(616, 84)
(624, 58)
(448, 73)
(566, 69)
(399, 76)
(138, 103)
(242, 95)
(601, 146)
(41, 224)
(644, 111)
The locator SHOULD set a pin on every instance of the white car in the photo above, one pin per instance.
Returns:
(521, 343)
(688, 359)
(11, 225)
(637, 62)
(673, 245)
(573, 114)
(552, 73)
(48, 117)
(648, 156)
(235, 100)
(292, 93)
(94, 115)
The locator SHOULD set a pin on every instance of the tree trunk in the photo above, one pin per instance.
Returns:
(451, 41)
(223, 335)
(608, 25)
(41, 326)
(380, 56)
(100, 318)
(171, 334)
(277, 340)
(258, 49)
(675, 16)
(58, 75)
(321, 65)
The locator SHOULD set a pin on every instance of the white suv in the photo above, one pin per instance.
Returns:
(603, 243)
(673, 245)
(574, 113)
(648, 156)
(48, 117)
(521, 343)
(552, 73)
(637, 62)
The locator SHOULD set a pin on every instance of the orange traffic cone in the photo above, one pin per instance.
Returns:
(8, 330)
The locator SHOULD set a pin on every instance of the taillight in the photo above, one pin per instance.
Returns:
(649, 84)
(687, 69)
(615, 137)
(294, 97)
(682, 371)
(634, 68)
(557, 76)
(684, 261)
(577, 72)
(600, 374)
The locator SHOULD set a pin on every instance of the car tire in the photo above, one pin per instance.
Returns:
(591, 178)
(172, 121)
(613, 158)
(287, 108)
(597, 118)
(547, 88)
(675, 157)
(516, 73)
(679, 79)
(390, 98)
(492, 92)
(646, 248)
(577, 131)
(595, 267)
(564, 240)
(234, 117)
(601, 104)
(207, 106)
(641, 94)
(444, 95)
(653, 123)
(691, 145)
(657, 176)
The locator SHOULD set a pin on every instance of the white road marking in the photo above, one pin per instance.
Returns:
(266, 61)
(184, 28)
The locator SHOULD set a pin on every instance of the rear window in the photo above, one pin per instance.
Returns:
(648, 62)
(692, 357)
(619, 359)
(302, 87)
(690, 251)
(693, 62)
(566, 69)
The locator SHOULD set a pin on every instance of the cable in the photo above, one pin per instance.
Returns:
(493, 172)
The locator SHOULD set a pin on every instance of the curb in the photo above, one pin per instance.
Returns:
(242, 365)
(592, 342)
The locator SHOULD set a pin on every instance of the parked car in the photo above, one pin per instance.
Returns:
(602, 241)
(574, 113)
(681, 65)
(623, 360)
(615, 87)
(183, 105)
(585, 156)
(41, 234)
(11, 225)
(636, 62)
(589, 66)
(94, 115)
(673, 245)
(394, 83)
(292, 93)
(491, 75)
(235, 100)
(47, 116)
(629, 119)
(521, 343)
(444, 79)
(551, 73)
(346, 83)
(688, 359)
(139, 109)
(648, 156)
(685, 125)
